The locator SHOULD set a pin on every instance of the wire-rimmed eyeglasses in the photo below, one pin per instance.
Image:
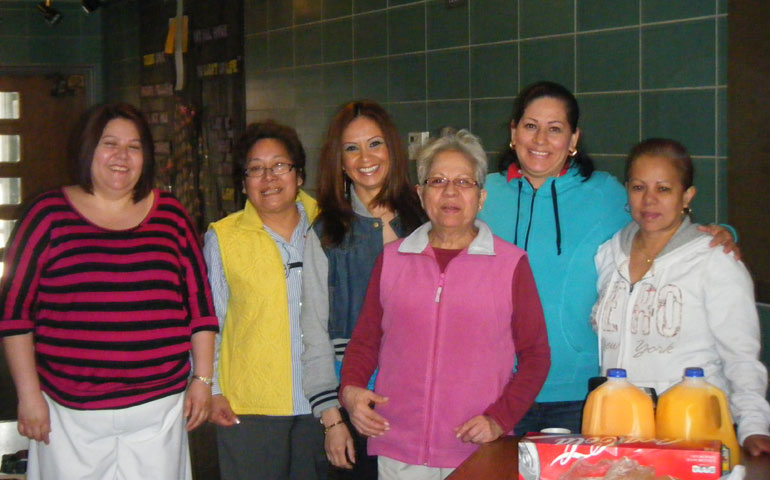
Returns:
(443, 182)
(279, 168)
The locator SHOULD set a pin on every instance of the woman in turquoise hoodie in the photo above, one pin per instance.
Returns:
(549, 200)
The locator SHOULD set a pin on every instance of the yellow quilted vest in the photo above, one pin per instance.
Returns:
(255, 350)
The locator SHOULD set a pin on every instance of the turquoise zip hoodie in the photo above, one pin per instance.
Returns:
(561, 226)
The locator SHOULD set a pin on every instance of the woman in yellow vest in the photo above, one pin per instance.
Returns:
(265, 428)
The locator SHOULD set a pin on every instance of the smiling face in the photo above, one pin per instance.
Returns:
(365, 156)
(451, 207)
(656, 194)
(118, 158)
(271, 194)
(543, 139)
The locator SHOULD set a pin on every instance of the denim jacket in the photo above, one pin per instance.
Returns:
(334, 285)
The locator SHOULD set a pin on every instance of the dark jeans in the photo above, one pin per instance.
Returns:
(365, 467)
(551, 415)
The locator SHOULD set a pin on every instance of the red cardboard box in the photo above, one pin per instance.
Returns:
(575, 457)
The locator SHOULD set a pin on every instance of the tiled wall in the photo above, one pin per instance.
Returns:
(26, 39)
(122, 52)
(640, 68)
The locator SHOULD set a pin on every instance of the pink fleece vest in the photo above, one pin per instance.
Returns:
(447, 349)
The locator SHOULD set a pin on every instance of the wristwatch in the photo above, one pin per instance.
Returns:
(207, 380)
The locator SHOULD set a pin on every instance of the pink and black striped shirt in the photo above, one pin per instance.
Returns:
(112, 311)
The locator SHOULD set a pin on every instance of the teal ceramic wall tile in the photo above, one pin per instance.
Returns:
(18, 55)
(722, 6)
(448, 74)
(309, 44)
(309, 90)
(494, 70)
(722, 122)
(612, 164)
(678, 55)
(609, 123)
(660, 10)
(338, 84)
(255, 54)
(254, 16)
(406, 78)
(406, 29)
(395, 3)
(62, 50)
(305, 11)
(560, 64)
(280, 49)
(408, 117)
(338, 40)
(16, 21)
(360, 6)
(493, 20)
(370, 35)
(596, 14)
(337, 8)
(89, 50)
(608, 61)
(545, 17)
(280, 14)
(686, 116)
(455, 114)
(281, 88)
(704, 204)
(721, 191)
(490, 121)
(722, 38)
(371, 79)
(447, 27)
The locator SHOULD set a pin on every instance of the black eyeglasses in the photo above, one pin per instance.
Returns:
(279, 168)
(443, 182)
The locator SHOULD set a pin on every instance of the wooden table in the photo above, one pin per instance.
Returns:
(499, 460)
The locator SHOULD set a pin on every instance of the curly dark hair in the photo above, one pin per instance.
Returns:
(270, 129)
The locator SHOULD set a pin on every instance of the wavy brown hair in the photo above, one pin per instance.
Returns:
(334, 185)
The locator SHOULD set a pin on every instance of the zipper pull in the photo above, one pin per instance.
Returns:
(440, 288)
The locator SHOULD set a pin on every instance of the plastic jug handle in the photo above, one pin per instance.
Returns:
(724, 412)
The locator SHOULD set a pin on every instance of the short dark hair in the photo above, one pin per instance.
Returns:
(270, 129)
(88, 132)
(669, 149)
(539, 90)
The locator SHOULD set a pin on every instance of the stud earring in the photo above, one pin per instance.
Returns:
(573, 152)
(512, 145)
(686, 210)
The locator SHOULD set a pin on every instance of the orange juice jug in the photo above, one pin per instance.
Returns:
(617, 407)
(697, 410)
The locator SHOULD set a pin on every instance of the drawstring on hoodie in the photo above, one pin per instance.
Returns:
(556, 218)
(532, 208)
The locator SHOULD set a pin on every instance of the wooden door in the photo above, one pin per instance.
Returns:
(37, 113)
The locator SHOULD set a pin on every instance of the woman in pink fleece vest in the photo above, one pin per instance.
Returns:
(449, 311)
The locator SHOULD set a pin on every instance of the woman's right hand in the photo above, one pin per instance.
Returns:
(34, 419)
(359, 403)
(221, 413)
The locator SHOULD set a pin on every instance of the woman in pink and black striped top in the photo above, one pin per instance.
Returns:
(104, 297)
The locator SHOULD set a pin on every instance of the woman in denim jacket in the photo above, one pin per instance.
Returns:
(366, 201)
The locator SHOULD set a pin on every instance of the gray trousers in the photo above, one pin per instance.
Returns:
(272, 448)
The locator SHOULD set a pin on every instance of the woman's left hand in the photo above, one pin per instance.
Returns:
(722, 237)
(479, 429)
(757, 444)
(197, 404)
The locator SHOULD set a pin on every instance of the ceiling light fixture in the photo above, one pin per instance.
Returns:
(91, 5)
(50, 14)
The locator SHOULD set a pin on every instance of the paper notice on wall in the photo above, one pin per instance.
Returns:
(170, 38)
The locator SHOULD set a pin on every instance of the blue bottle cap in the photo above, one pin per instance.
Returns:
(693, 372)
(616, 373)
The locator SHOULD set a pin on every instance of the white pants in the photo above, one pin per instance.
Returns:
(144, 442)
(390, 469)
